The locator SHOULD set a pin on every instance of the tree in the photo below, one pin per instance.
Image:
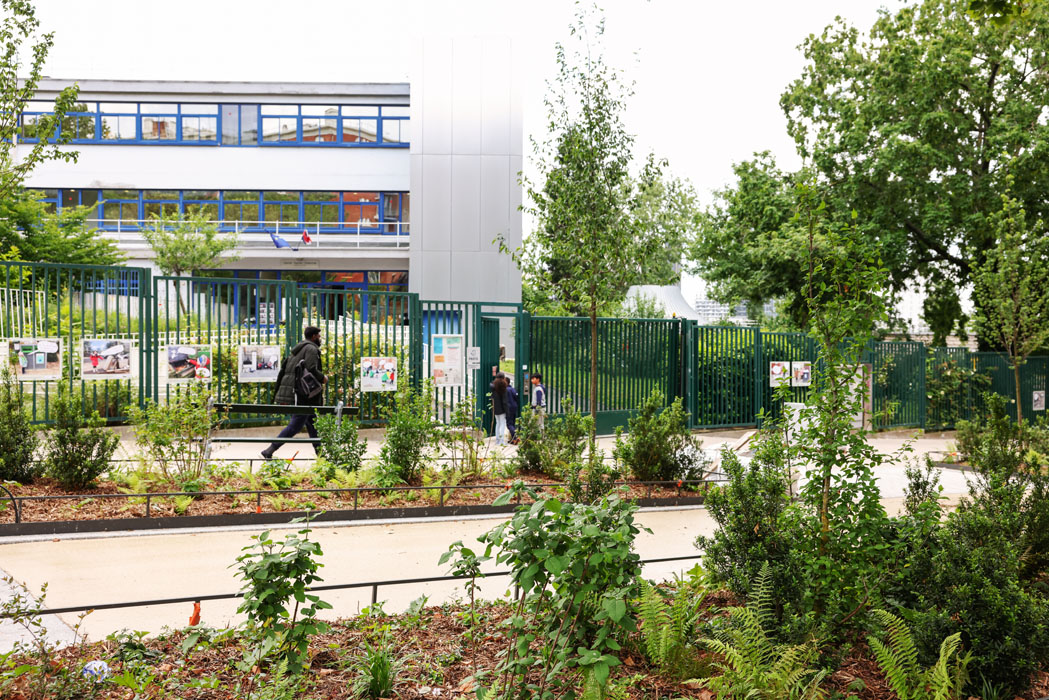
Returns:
(911, 128)
(188, 242)
(18, 26)
(30, 232)
(1012, 287)
(600, 229)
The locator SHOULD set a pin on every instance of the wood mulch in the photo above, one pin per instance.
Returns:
(438, 661)
(91, 504)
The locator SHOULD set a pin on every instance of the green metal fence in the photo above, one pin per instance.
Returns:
(66, 305)
(634, 357)
(118, 337)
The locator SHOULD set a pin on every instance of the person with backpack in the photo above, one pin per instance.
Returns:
(300, 382)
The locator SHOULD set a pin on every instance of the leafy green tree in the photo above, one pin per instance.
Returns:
(30, 232)
(1011, 288)
(188, 242)
(598, 226)
(18, 83)
(911, 126)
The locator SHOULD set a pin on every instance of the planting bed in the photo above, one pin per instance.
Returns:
(44, 501)
(437, 659)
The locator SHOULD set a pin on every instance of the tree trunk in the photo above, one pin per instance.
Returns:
(1019, 401)
(593, 376)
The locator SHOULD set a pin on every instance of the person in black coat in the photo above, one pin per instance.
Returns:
(308, 353)
(500, 404)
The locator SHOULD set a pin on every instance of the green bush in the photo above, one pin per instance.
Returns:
(963, 586)
(341, 443)
(173, 436)
(1010, 486)
(753, 530)
(78, 447)
(554, 448)
(659, 445)
(411, 431)
(18, 437)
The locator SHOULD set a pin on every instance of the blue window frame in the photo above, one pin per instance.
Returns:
(197, 124)
(246, 210)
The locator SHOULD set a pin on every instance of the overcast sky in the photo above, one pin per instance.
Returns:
(708, 74)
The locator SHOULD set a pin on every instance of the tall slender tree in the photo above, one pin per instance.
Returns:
(598, 225)
(1012, 288)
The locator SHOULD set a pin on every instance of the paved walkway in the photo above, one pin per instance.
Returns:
(95, 569)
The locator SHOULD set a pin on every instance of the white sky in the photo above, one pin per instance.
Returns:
(708, 74)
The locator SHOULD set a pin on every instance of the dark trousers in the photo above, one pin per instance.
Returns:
(294, 427)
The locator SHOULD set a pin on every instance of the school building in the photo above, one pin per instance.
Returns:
(355, 186)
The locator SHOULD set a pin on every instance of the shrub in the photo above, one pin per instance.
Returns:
(274, 574)
(576, 569)
(376, 669)
(554, 449)
(659, 445)
(18, 438)
(410, 432)
(78, 448)
(341, 443)
(1011, 486)
(173, 436)
(974, 588)
(753, 531)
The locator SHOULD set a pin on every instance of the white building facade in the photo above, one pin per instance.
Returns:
(377, 186)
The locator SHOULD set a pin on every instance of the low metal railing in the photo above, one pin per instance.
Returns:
(373, 585)
(359, 234)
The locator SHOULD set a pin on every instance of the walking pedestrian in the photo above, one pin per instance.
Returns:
(300, 383)
(499, 407)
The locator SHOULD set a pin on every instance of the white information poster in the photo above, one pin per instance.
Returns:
(106, 359)
(257, 364)
(1038, 401)
(446, 361)
(473, 358)
(378, 374)
(35, 358)
(800, 373)
(779, 373)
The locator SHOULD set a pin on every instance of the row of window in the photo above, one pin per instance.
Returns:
(221, 124)
(244, 210)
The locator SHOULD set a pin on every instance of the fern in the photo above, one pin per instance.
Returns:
(665, 631)
(898, 659)
(753, 665)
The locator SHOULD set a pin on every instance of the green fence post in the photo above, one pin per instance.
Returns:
(759, 384)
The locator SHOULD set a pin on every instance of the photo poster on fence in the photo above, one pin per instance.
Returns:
(189, 363)
(779, 374)
(1038, 401)
(446, 363)
(378, 374)
(35, 359)
(102, 358)
(800, 373)
(258, 364)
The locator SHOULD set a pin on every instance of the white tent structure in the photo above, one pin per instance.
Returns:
(669, 297)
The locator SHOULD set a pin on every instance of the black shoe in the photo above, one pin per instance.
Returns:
(266, 454)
